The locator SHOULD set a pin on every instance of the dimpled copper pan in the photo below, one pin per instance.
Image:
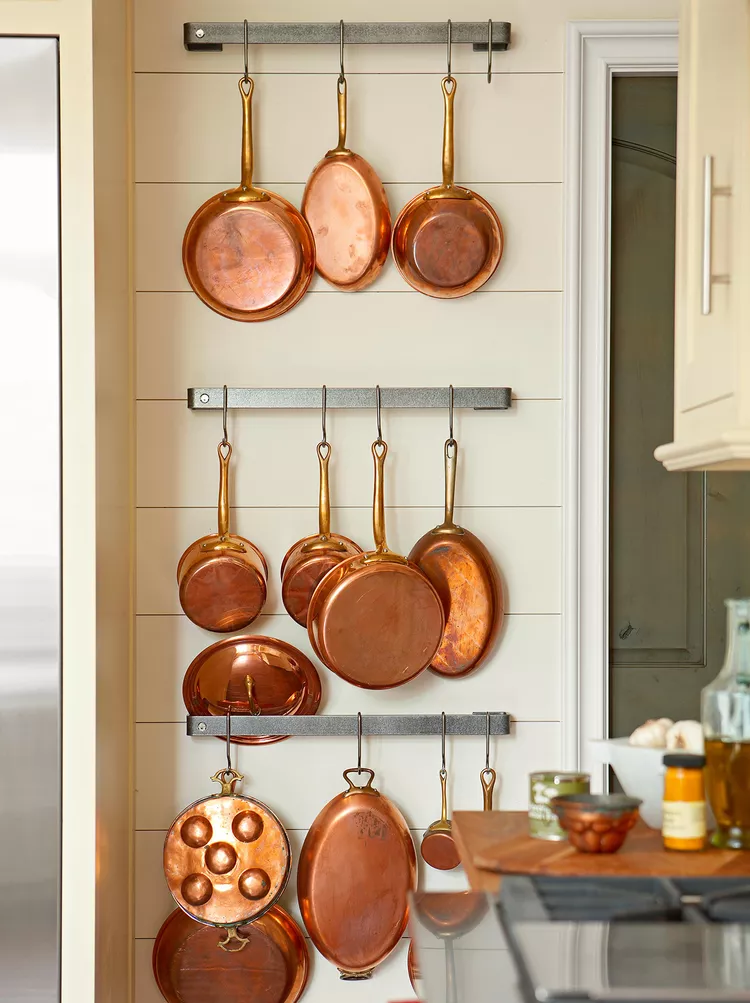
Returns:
(251, 675)
(248, 253)
(226, 859)
(190, 967)
(447, 241)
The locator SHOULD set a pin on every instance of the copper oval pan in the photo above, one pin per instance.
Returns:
(248, 253)
(356, 870)
(190, 966)
(222, 577)
(347, 209)
(227, 858)
(447, 241)
(310, 559)
(375, 619)
(460, 567)
(251, 675)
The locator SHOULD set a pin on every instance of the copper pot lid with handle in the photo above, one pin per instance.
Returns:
(251, 674)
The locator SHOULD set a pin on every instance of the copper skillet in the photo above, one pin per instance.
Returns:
(310, 559)
(248, 253)
(447, 241)
(375, 619)
(222, 577)
(190, 967)
(347, 208)
(460, 567)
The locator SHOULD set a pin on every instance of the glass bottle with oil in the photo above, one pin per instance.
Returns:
(725, 711)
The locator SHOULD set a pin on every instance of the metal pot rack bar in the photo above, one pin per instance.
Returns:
(212, 36)
(478, 398)
(337, 725)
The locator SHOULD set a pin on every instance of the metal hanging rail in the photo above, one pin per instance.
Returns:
(333, 725)
(478, 398)
(212, 36)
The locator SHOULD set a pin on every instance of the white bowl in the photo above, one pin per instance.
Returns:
(640, 771)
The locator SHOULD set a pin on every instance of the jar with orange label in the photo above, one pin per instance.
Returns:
(684, 815)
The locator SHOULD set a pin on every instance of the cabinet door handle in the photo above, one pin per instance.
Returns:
(710, 191)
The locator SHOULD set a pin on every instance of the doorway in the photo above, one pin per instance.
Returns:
(679, 543)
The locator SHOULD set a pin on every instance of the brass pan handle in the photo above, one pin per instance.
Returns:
(225, 455)
(379, 453)
(444, 796)
(233, 937)
(354, 788)
(447, 189)
(227, 778)
(324, 498)
(488, 778)
(246, 191)
(340, 148)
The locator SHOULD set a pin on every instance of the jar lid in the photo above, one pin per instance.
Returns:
(687, 760)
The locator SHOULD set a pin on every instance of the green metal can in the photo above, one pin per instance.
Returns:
(545, 785)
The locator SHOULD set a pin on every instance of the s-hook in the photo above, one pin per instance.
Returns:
(489, 51)
(488, 775)
(342, 78)
(245, 46)
(324, 395)
(451, 438)
(225, 395)
(377, 411)
(448, 48)
(359, 741)
(442, 733)
(229, 739)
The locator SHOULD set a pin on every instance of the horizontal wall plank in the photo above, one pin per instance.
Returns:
(524, 543)
(507, 457)
(187, 127)
(522, 673)
(417, 341)
(538, 35)
(531, 216)
(154, 903)
(298, 776)
(389, 982)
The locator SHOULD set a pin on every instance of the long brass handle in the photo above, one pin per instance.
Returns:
(451, 461)
(710, 191)
(246, 191)
(324, 501)
(379, 452)
(488, 778)
(443, 795)
(225, 453)
(449, 93)
(341, 95)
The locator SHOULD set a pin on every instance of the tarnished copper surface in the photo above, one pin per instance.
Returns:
(447, 241)
(310, 559)
(251, 675)
(222, 577)
(375, 619)
(460, 568)
(247, 252)
(190, 967)
(356, 869)
(223, 867)
(347, 208)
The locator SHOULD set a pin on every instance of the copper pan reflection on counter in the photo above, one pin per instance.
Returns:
(251, 675)
(347, 208)
(450, 916)
(190, 966)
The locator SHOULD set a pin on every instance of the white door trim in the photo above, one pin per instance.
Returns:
(596, 51)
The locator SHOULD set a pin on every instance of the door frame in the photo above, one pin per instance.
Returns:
(596, 51)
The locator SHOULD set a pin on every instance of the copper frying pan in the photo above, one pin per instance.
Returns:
(460, 567)
(375, 619)
(248, 253)
(310, 559)
(447, 241)
(191, 967)
(347, 209)
(222, 577)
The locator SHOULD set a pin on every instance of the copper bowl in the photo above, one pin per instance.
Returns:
(596, 823)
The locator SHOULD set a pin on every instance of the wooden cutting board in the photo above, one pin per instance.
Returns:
(497, 842)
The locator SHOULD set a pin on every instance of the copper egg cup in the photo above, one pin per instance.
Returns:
(596, 823)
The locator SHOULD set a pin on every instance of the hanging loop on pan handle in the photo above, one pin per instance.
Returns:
(246, 191)
(447, 189)
(354, 788)
(227, 779)
(489, 51)
(488, 776)
(232, 934)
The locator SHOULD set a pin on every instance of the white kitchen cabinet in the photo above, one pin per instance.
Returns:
(712, 310)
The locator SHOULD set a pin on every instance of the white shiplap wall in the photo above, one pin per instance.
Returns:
(509, 143)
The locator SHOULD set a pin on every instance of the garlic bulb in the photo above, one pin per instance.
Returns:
(652, 734)
(687, 735)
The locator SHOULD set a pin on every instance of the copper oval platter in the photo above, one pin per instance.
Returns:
(226, 857)
(251, 675)
(190, 967)
(356, 870)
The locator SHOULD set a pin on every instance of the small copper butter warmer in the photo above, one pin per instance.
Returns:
(227, 858)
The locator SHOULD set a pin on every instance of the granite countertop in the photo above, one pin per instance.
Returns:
(482, 970)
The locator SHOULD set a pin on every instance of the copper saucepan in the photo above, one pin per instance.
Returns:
(438, 847)
(248, 253)
(447, 241)
(227, 859)
(375, 619)
(190, 966)
(310, 559)
(222, 577)
(460, 567)
(347, 209)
